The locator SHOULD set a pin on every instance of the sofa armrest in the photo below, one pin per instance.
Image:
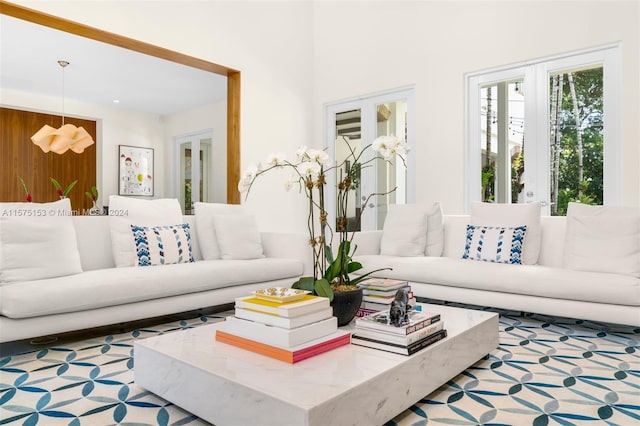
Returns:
(288, 246)
(368, 242)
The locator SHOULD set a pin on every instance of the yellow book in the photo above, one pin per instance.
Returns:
(288, 309)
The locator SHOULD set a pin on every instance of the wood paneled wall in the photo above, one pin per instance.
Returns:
(19, 157)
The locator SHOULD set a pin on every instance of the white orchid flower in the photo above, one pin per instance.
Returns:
(250, 172)
(389, 146)
(293, 180)
(309, 169)
(301, 153)
(276, 160)
(244, 184)
(319, 156)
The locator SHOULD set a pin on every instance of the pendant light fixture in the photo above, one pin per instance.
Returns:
(67, 137)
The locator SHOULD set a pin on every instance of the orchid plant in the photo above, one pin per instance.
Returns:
(63, 192)
(309, 170)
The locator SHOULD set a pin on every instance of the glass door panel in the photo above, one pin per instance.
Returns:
(502, 142)
(577, 138)
(391, 120)
(195, 178)
(186, 180)
(349, 139)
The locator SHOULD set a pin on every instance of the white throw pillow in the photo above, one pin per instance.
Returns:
(205, 228)
(603, 239)
(435, 229)
(494, 244)
(405, 231)
(238, 236)
(513, 215)
(126, 211)
(162, 245)
(37, 241)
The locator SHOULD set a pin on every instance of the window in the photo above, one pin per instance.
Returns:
(539, 132)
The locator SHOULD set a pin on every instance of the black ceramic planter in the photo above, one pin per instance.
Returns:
(345, 305)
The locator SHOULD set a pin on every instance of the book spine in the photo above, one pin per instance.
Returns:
(426, 342)
(378, 299)
(283, 322)
(257, 347)
(285, 355)
(382, 337)
(362, 312)
(288, 309)
(399, 330)
(407, 350)
(385, 293)
(277, 336)
(422, 324)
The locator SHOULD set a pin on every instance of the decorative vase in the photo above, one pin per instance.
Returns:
(95, 210)
(345, 305)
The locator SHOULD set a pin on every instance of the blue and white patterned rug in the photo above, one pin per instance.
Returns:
(545, 371)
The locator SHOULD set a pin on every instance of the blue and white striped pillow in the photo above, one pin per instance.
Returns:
(494, 244)
(162, 245)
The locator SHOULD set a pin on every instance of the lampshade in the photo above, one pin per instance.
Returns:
(61, 140)
(67, 137)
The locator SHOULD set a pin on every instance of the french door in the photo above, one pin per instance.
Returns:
(194, 182)
(354, 124)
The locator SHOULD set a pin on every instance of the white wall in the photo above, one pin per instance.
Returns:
(363, 47)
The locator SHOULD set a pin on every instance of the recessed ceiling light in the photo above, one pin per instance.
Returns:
(116, 101)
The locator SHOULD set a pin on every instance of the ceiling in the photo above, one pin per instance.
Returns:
(99, 73)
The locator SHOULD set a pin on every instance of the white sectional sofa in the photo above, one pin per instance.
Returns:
(547, 287)
(102, 294)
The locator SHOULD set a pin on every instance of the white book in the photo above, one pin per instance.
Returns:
(280, 336)
(284, 322)
(399, 339)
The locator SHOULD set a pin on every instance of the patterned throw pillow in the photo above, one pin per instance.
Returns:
(162, 245)
(494, 244)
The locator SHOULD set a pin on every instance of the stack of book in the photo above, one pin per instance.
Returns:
(376, 331)
(289, 330)
(378, 293)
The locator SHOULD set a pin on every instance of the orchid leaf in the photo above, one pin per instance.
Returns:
(304, 283)
(69, 187)
(323, 288)
(364, 276)
(55, 183)
(354, 266)
(24, 185)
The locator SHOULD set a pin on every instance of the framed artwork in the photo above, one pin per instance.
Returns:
(135, 170)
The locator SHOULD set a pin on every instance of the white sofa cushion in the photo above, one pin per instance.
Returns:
(533, 280)
(162, 245)
(238, 237)
(206, 229)
(513, 215)
(126, 211)
(405, 231)
(120, 286)
(494, 244)
(603, 239)
(37, 241)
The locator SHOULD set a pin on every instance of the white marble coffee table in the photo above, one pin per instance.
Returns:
(351, 385)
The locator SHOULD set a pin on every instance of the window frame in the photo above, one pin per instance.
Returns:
(536, 76)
